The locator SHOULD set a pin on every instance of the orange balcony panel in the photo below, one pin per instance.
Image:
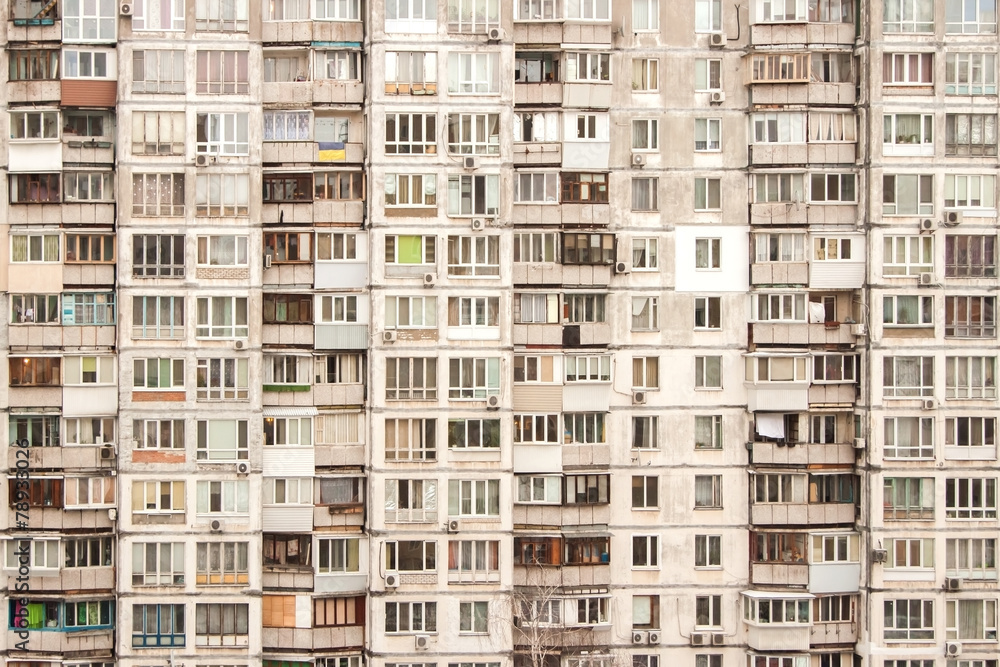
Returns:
(89, 93)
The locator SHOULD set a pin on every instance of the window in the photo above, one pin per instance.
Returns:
(910, 553)
(223, 440)
(707, 194)
(969, 256)
(157, 71)
(908, 69)
(34, 125)
(587, 490)
(222, 15)
(708, 253)
(586, 66)
(708, 611)
(707, 134)
(776, 188)
(293, 491)
(88, 371)
(158, 564)
(970, 317)
(970, 74)
(584, 188)
(159, 15)
(972, 432)
(338, 65)
(287, 187)
(34, 309)
(219, 195)
(408, 12)
(411, 378)
(970, 377)
(645, 492)
(86, 187)
(287, 551)
(410, 556)
(645, 313)
(973, 17)
(778, 547)
(644, 254)
(908, 620)
(708, 491)
(537, 126)
(779, 128)
(157, 194)
(339, 428)
(403, 617)
(472, 561)
(970, 498)
(409, 250)
(585, 428)
(474, 378)
(584, 308)
(89, 430)
(909, 194)
(707, 15)
(338, 555)
(708, 551)
(229, 497)
(218, 624)
(339, 492)
(85, 492)
(536, 188)
(645, 75)
(334, 247)
(539, 489)
(473, 312)
(472, 194)
(86, 552)
(410, 72)
(908, 134)
(34, 65)
(769, 307)
(222, 251)
(474, 73)
(410, 133)
(908, 498)
(222, 134)
(909, 437)
(286, 10)
(776, 611)
(90, 248)
(222, 379)
(645, 15)
(474, 134)
(715, 660)
(707, 74)
(971, 558)
(776, 369)
(222, 563)
(473, 433)
(780, 68)
(970, 134)
(223, 317)
(410, 190)
(158, 497)
(285, 68)
(284, 431)
(157, 625)
(708, 372)
(533, 368)
(88, 309)
(41, 492)
(156, 256)
(972, 620)
(909, 255)
(908, 16)
(411, 312)
(778, 12)
(708, 432)
(537, 429)
(833, 188)
(778, 488)
(902, 311)
(158, 433)
(337, 309)
(287, 126)
(839, 548)
(34, 248)
(35, 371)
(644, 194)
(477, 256)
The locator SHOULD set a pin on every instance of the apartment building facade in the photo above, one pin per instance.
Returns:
(482, 334)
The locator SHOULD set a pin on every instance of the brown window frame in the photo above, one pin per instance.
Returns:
(330, 185)
(78, 246)
(287, 188)
(572, 186)
(35, 371)
(300, 303)
(339, 612)
(41, 492)
(288, 247)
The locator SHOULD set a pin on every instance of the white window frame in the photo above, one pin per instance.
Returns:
(979, 381)
(707, 135)
(427, 190)
(226, 134)
(977, 492)
(704, 368)
(479, 378)
(910, 554)
(148, 497)
(237, 326)
(222, 379)
(538, 490)
(707, 16)
(75, 373)
(234, 497)
(907, 255)
(287, 491)
(421, 495)
(411, 312)
(158, 564)
(158, 434)
(473, 73)
(645, 313)
(220, 448)
(894, 305)
(970, 73)
(88, 431)
(970, 191)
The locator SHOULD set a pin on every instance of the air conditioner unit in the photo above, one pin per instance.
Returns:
(388, 336)
(926, 278)
(953, 649)
(953, 217)
(492, 402)
(478, 225)
(621, 267)
(953, 583)
(422, 642)
(242, 468)
(638, 160)
(430, 279)
(125, 9)
(391, 579)
(859, 330)
(698, 639)
(216, 526)
(654, 638)
(268, 260)
(880, 555)
(717, 97)
(201, 160)
(717, 39)
(470, 162)
(926, 225)
(718, 639)
(454, 526)
(240, 344)
(929, 404)
(113, 514)
(107, 452)
(639, 398)
(495, 34)
(639, 637)
(859, 443)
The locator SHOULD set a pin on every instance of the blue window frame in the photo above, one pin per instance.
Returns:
(157, 625)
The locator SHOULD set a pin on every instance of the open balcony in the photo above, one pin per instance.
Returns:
(34, 21)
